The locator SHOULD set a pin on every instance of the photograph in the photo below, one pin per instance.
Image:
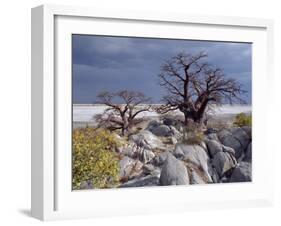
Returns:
(158, 112)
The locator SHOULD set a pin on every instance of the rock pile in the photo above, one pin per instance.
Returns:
(223, 156)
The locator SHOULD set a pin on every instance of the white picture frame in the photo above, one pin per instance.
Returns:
(52, 197)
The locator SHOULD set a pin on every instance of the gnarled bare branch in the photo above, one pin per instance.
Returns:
(122, 110)
(192, 85)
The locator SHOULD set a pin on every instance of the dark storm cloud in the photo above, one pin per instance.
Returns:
(115, 63)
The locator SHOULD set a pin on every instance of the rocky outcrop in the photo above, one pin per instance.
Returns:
(145, 155)
(213, 136)
(150, 169)
(174, 122)
(173, 172)
(223, 162)
(136, 152)
(248, 130)
(153, 124)
(235, 138)
(146, 140)
(130, 149)
(150, 180)
(242, 136)
(169, 122)
(195, 155)
(248, 154)
(242, 173)
(229, 150)
(196, 178)
(228, 140)
(213, 173)
(175, 133)
(161, 158)
(130, 168)
(157, 156)
(213, 147)
(162, 130)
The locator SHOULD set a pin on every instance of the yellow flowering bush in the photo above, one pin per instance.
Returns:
(94, 158)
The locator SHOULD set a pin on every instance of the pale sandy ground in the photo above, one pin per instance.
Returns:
(83, 114)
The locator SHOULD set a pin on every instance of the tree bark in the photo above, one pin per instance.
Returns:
(200, 113)
(188, 118)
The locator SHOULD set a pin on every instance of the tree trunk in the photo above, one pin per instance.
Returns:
(192, 117)
(125, 125)
(188, 118)
(198, 117)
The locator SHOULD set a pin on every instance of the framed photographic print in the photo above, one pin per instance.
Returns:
(137, 113)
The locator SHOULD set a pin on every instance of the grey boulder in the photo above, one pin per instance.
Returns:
(223, 162)
(145, 155)
(213, 136)
(169, 122)
(150, 180)
(130, 149)
(228, 150)
(162, 130)
(148, 168)
(214, 147)
(175, 133)
(146, 140)
(242, 136)
(242, 173)
(129, 167)
(235, 138)
(248, 130)
(194, 154)
(153, 124)
(173, 172)
(213, 173)
(161, 158)
(195, 178)
(248, 154)
(174, 140)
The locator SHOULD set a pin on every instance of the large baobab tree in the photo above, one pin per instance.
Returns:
(122, 110)
(192, 85)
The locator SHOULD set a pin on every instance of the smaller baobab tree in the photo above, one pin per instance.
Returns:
(193, 86)
(122, 110)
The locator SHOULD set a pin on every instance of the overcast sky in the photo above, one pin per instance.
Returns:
(116, 63)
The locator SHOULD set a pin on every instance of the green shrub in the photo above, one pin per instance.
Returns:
(94, 158)
(243, 120)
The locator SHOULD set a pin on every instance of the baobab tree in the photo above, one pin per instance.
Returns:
(122, 110)
(192, 85)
